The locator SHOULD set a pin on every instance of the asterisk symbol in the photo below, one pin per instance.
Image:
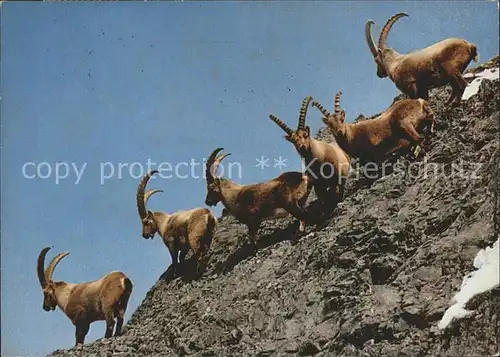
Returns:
(280, 163)
(262, 162)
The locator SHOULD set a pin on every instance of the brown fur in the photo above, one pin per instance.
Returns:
(320, 157)
(84, 303)
(398, 127)
(183, 230)
(415, 73)
(252, 204)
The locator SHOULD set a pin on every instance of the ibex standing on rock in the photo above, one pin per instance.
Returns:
(252, 204)
(180, 231)
(84, 303)
(416, 72)
(327, 163)
(373, 139)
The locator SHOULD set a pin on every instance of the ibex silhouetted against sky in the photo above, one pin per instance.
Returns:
(180, 231)
(416, 72)
(84, 303)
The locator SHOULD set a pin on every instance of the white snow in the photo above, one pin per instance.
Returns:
(473, 86)
(485, 278)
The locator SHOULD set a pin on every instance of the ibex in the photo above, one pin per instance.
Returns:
(252, 204)
(373, 139)
(416, 72)
(84, 303)
(326, 163)
(180, 231)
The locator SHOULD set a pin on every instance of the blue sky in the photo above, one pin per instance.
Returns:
(120, 83)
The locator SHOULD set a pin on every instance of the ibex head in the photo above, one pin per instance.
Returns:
(214, 194)
(380, 53)
(335, 121)
(300, 137)
(149, 227)
(45, 278)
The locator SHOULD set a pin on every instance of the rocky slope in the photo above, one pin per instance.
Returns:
(374, 279)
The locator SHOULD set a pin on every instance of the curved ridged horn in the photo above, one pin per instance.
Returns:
(217, 162)
(40, 267)
(52, 265)
(282, 125)
(209, 173)
(148, 194)
(387, 27)
(368, 35)
(141, 202)
(303, 112)
(323, 111)
(336, 102)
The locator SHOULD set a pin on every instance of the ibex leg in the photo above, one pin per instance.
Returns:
(174, 254)
(81, 331)
(119, 321)
(252, 234)
(198, 249)
(110, 323)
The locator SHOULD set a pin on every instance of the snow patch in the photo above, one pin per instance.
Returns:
(485, 278)
(473, 87)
